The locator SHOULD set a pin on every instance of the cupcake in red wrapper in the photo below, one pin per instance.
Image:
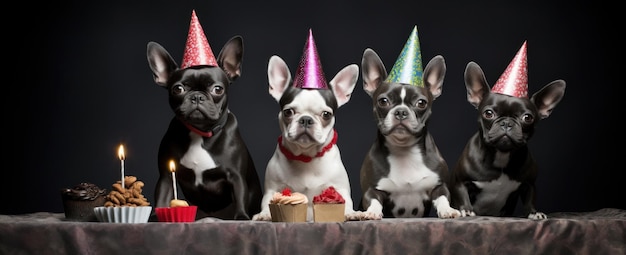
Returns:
(179, 211)
(329, 206)
(288, 206)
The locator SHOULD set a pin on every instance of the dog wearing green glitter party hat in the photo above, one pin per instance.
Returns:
(403, 174)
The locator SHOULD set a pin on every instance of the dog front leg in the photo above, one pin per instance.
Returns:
(164, 191)
(240, 195)
(528, 197)
(460, 199)
(373, 204)
(441, 202)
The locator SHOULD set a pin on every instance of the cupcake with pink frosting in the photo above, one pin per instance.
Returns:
(288, 206)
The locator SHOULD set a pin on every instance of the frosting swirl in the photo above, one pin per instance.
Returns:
(329, 196)
(289, 199)
(83, 191)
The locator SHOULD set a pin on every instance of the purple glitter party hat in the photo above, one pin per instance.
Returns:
(310, 74)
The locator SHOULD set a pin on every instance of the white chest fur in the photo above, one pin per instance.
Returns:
(309, 178)
(493, 195)
(197, 158)
(409, 182)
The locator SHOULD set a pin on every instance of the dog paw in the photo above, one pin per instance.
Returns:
(449, 213)
(354, 216)
(371, 216)
(467, 213)
(537, 216)
(262, 217)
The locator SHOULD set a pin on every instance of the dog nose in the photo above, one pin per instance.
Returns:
(305, 122)
(198, 98)
(401, 114)
(506, 125)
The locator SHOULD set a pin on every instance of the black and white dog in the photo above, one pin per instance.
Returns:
(215, 170)
(496, 168)
(307, 158)
(403, 174)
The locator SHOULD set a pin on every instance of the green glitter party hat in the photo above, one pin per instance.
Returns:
(408, 67)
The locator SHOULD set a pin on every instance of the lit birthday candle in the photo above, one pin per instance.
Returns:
(173, 170)
(120, 154)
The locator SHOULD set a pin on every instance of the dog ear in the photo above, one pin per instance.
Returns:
(373, 72)
(344, 82)
(231, 56)
(434, 74)
(278, 76)
(476, 84)
(161, 63)
(548, 97)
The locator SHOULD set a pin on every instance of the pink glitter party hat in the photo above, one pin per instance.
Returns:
(408, 68)
(310, 74)
(514, 80)
(197, 50)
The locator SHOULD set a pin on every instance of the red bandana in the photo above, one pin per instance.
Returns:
(305, 158)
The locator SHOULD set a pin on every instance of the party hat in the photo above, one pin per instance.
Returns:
(197, 50)
(310, 74)
(408, 67)
(514, 80)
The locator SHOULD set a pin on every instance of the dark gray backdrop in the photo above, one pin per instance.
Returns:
(79, 85)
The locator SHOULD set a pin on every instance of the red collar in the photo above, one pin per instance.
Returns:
(220, 123)
(198, 131)
(305, 158)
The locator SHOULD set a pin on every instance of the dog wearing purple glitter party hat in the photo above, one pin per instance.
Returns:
(307, 158)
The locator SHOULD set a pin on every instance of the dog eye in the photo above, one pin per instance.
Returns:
(217, 90)
(383, 102)
(178, 89)
(527, 118)
(327, 115)
(421, 103)
(288, 113)
(489, 114)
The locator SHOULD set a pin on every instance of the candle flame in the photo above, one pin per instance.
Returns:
(172, 166)
(120, 153)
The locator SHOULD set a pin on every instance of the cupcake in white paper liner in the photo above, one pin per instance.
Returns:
(125, 203)
(123, 214)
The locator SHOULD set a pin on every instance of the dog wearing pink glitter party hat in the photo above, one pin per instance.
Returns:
(496, 169)
(214, 169)
(307, 158)
(403, 174)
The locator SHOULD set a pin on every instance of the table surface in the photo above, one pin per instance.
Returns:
(597, 232)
